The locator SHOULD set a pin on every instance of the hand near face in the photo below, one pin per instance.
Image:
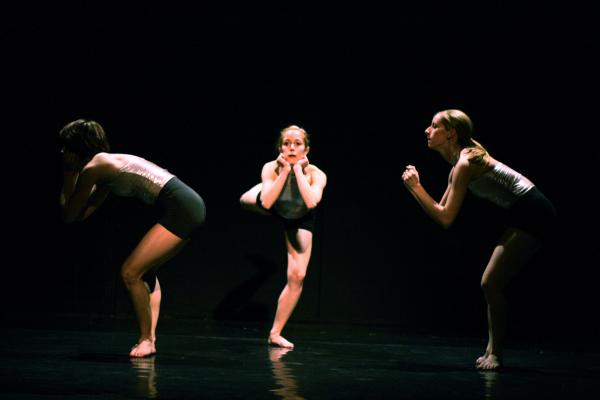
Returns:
(282, 162)
(71, 161)
(410, 176)
(302, 163)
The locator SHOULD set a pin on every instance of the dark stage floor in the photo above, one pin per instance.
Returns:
(83, 359)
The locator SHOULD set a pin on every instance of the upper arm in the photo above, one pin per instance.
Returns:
(268, 174)
(89, 191)
(457, 189)
(99, 194)
(318, 182)
(76, 204)
(445, 196)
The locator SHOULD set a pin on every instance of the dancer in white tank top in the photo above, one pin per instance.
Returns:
(529, 213)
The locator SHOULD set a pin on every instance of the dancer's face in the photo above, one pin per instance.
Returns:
(436, 133)
(292, 146)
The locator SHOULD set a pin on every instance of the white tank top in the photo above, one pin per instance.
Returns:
(501, 185)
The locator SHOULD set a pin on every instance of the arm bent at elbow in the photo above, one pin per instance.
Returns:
(272, 183)
(312, 193)
(445, 212)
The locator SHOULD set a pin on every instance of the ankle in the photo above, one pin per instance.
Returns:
(145, 339)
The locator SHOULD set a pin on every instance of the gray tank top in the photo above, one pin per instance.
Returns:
(141, 179)
(290, 203)
(501, 185)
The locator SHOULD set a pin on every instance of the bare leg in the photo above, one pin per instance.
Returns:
(248, 200)
(299, 247)
(155, 248)
(155, 299)
(512, 252)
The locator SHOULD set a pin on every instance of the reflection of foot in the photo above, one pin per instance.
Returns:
(280, 341)
(143, 363)
(275, 353)
(146, 373)
(490, 363)
(144, 348)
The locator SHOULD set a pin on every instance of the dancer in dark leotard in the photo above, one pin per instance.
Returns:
(291, 189)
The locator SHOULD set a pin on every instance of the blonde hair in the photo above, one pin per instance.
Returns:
(462, 124)
(289, 128)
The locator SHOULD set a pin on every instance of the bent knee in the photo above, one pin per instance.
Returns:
(296, 277)
(129, 276)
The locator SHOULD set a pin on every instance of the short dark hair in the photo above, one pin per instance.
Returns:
(84, 137)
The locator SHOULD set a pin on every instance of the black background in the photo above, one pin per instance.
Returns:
(203, 90)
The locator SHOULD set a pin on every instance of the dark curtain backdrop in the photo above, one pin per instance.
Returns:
(203, 90)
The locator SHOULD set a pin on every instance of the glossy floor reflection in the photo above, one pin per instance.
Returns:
(232, 361)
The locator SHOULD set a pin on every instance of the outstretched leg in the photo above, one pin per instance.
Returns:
(248, 200)
(512, 252)
(155, 248)
(299, 247)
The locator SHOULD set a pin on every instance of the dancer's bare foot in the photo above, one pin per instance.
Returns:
(280, 341)
(144, 348)
(482, 358)
(490, 363)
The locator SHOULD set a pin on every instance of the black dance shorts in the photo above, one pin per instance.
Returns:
(183, 212)
(533, 213)
(183, 209)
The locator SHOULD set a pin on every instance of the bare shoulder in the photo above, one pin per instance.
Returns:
(474, 170)
(270, 166)
(103, 164)
(269, 170)
(316, 172)
(463, 170)
(463, 161)
(312, 168)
